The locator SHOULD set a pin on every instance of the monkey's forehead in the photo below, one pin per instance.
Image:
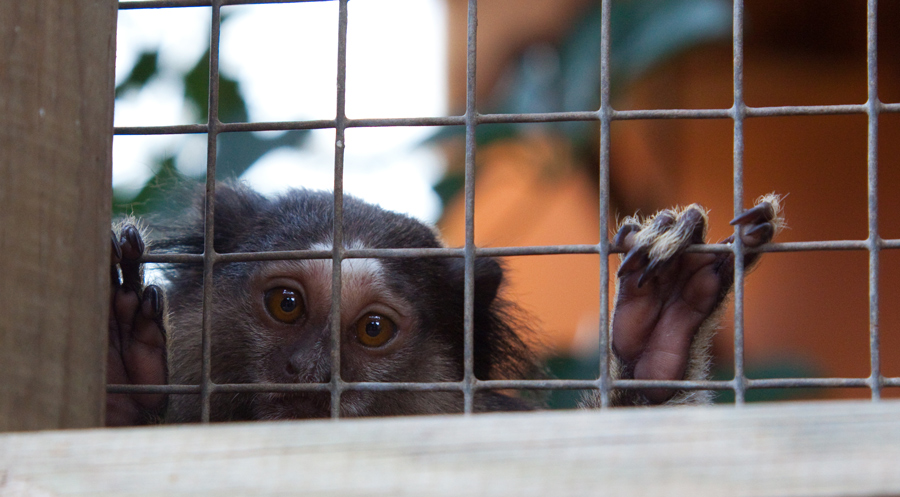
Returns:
(369, 235)
(300, 218)
(397, 275)
(311, 215)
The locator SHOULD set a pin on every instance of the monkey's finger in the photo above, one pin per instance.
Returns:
(756, 226)
(666, 351)
(635, 319)
(114, 259)
(761, 213)
(635, 259)
(627, 228)
(145, 359)
(758, 235)
(754, 236)
(132, 249)
(144, 356)
(654, 268)
(125, 307)
(115, 249)
(132, 243)
(689, 229)
(760, 224)
(659, 224)
(149, 328)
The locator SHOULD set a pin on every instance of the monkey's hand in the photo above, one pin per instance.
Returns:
(137, 340)
(667, 299)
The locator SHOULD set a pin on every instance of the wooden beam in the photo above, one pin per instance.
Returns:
(798, 449)
(56, 107)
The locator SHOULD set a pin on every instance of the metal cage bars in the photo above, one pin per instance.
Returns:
(872, 109)
(739, 112)
(737, 44)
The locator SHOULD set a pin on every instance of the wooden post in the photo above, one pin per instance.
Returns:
(56, 107)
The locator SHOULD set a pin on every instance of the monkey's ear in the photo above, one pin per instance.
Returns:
(488, 278)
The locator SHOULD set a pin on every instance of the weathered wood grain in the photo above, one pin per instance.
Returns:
(802, 449)
(56, 104)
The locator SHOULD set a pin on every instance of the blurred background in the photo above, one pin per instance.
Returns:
(806, 314)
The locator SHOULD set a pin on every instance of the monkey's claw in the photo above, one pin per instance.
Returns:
(654, 245)
(762, 212)
(759, 224)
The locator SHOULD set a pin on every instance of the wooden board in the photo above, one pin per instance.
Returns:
(56, 104)
(799, 449)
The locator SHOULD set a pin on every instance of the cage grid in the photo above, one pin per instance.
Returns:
(604, 116)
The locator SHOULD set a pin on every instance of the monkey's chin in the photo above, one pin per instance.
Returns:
(281, 406)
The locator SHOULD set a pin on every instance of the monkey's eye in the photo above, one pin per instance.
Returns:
(375, 330)
(284, 304)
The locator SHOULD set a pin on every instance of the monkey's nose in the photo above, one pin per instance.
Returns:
(309, 366)
(309, 373)
(290, 369)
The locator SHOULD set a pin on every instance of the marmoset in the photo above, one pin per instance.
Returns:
(401, 318)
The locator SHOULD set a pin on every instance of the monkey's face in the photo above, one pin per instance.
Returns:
(400, 319)
(280, 328)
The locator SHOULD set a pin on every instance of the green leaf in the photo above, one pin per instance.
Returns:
(156, 196)
(146, 67)
(196, 91)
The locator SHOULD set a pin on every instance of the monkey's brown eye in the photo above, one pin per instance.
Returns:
(375, 330)
(284, 304)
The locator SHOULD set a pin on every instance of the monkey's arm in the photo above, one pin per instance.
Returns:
(137, 343)
(667, 301)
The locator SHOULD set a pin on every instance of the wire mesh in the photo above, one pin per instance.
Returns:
(604, 116)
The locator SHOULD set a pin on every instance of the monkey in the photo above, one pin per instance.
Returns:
(401, 318)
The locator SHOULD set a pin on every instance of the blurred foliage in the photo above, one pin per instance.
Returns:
(788, 367)
(151, 199)
(566, 77)
(196, 91)
(144, 69)
(236, 152)
(449, 185)
(570, 368)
